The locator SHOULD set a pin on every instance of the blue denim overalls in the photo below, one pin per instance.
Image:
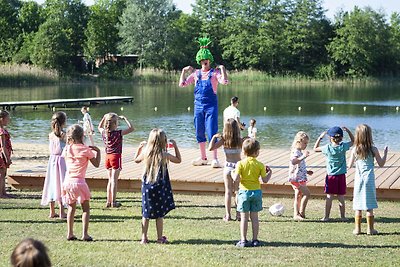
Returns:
(205, 108)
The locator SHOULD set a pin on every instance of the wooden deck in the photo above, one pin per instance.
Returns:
(64, 102)
(204, 179)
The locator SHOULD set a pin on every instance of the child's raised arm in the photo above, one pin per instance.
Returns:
(182, 79)
(101, 124)
(139, 152)
(381, 161)
(215, 144)
(268, 176)
(317, 148)
(177, 158)
(130, 127)
(350, 134)
(296, 160)
(96, 160)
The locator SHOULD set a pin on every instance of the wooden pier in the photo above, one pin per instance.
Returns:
(64, 102)
(204, 179)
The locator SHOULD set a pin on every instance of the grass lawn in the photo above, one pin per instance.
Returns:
(199, 237)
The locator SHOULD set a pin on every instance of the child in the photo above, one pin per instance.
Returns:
(157, 198)
(232, 143)
(248, 171)
(55, 173)
(298, 175)
(5, 150)
(87, 124)
(112, 138)
(364, 197)
(30, 253)
(335, 181)
(77, 156)
(252, 130)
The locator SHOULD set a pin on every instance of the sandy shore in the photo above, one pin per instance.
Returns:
(27, 155)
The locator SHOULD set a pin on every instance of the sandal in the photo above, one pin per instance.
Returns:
(87, 239)
(116, 204)
(108, 205)
(162, 240)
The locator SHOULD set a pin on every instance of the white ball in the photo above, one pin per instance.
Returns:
(277, 209)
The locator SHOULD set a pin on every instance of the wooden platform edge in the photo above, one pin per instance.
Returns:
(134, 185)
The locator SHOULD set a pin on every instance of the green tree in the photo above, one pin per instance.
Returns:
(9, 29)
(183, 30)
(143, 30)
(361, 45)
(395, 41)
(102, 33)
(51, 46)
(306, 36)
(240, 43)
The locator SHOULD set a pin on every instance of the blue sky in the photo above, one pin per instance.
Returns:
(388, 6)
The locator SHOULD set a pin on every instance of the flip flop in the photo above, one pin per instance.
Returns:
(162, 240)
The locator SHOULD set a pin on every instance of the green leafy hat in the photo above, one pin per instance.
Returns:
(204, 52)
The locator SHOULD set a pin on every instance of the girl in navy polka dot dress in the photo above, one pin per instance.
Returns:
(157, 198)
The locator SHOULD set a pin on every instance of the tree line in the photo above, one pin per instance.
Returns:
(279, 37)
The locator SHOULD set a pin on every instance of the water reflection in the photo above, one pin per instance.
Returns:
(276, 125)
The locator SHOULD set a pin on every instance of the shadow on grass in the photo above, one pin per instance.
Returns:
(205, 218)
(387, 220)
(204, 242)
(200, 206)
(54, 221)
(113, 218)
(325, 245)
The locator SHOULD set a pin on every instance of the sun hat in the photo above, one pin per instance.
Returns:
(204, 52)
(335, 131)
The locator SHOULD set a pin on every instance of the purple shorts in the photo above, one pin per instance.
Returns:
(335, 184)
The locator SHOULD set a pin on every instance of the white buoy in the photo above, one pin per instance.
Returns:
(265, 108)
(364, 108)
(299, 108)
(54, 109)
(122, 108)
(155, 108)
(331, 108)
(397, 108)
(188, 108)
(88, 109)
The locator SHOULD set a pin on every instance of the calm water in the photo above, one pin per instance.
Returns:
(276, 125)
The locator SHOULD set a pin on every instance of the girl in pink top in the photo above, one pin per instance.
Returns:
(77, 156)
(5, 152)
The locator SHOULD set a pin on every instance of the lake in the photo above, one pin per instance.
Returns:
(280, 110)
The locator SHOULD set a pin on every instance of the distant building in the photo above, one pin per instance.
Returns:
(118, 59)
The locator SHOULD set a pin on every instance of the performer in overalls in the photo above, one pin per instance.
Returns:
(206, 82)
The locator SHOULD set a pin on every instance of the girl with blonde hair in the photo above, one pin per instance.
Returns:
(112, 138)
(298, 174)
(364, 196)
(157, 197)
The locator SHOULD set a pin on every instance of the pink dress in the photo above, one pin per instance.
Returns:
(75, 188)
(7, 139)
(55, 173)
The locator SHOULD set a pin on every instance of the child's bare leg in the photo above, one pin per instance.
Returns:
(328, 206)
(61, 210)
(305, 192)
(52, 210)
(342, 206)
(3, 174)
(114, 184)
(228, 196)
(85, 219)
(70, 220)
(296, 203)
(255, 225)
(109, 194)
(159, 227)
(369, 212)
(244, 221)
(145, 228)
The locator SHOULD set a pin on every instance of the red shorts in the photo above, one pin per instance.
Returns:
(335, 184)
(113, 161)
(296, 185)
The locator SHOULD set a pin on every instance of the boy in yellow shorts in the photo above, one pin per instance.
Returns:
(249, 199)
